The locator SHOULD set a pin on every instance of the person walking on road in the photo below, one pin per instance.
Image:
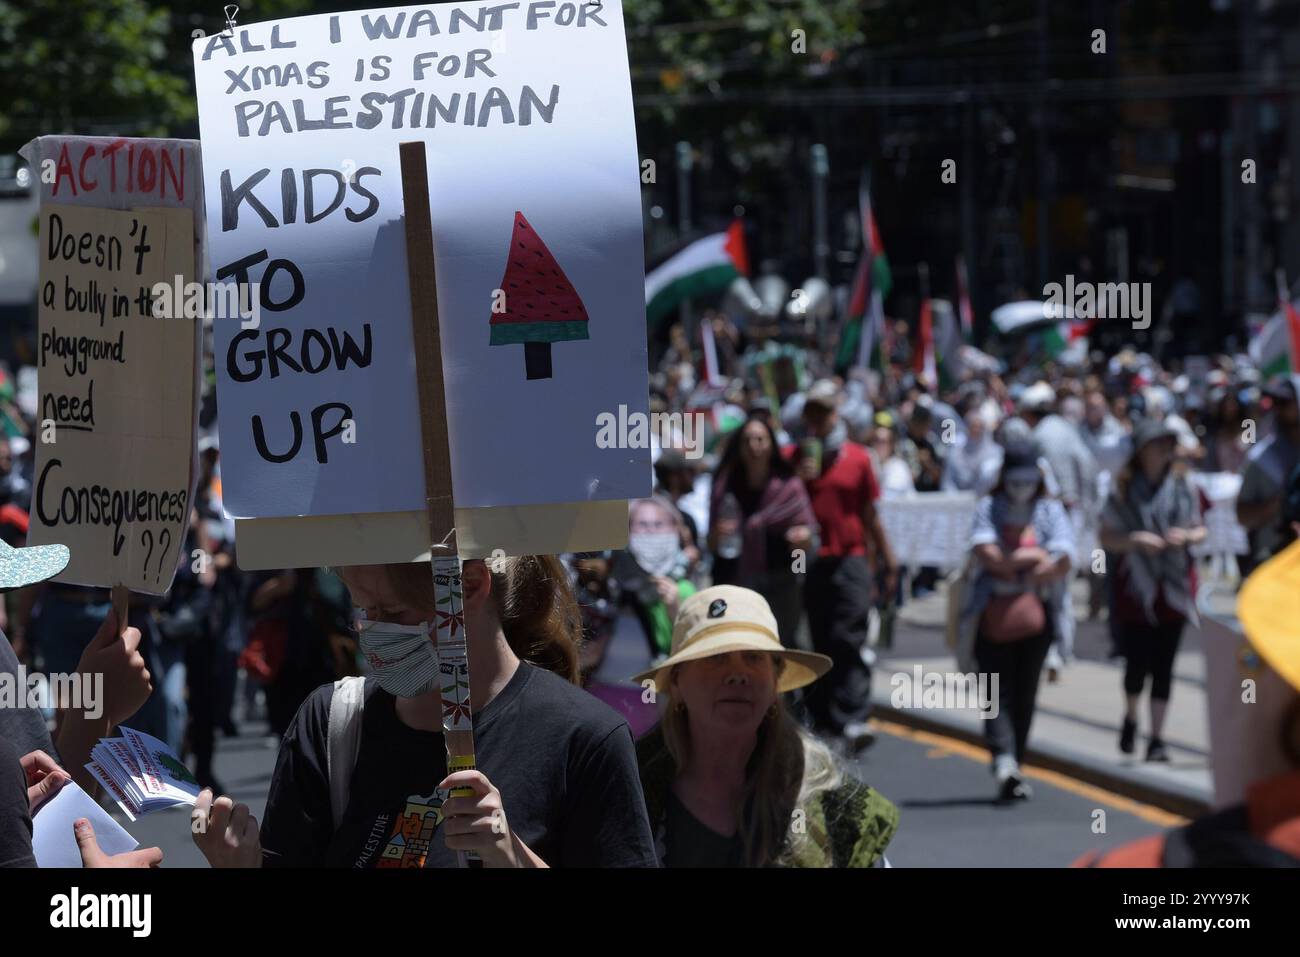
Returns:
(1152, 517)
(1022, 548)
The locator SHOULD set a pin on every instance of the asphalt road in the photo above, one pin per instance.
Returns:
(950, 815)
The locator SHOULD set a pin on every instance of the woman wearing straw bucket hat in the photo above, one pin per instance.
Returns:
(730, 779)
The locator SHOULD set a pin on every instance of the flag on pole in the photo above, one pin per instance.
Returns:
(923, 358)
(873, 332)
(711, 374)
(948, 343)
(1292, 323)
(1063, 335)
(964, 311)
(872, 275)
(707, 265)
(1275, 349)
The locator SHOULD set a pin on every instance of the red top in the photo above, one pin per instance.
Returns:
(839, 497)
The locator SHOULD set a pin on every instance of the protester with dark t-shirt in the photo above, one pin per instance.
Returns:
(843, 491)
(556, 781)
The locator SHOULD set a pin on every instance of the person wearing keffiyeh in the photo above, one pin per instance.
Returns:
(1152, 517)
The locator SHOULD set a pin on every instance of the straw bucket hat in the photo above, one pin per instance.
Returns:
(1269, 609)
(725, 618)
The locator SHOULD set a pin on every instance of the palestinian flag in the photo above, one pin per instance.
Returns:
(700, 268)
(1058, 338)
(1276, 349)
(948, 343)
(863, 326)
(923, 363)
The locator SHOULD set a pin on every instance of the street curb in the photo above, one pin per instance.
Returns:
(1185, 802)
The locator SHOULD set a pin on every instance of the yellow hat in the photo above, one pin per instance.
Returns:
(725, 618)
(1269, 609)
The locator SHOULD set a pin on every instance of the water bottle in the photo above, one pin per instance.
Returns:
(729, 545)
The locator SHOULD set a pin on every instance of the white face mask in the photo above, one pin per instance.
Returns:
(1020, 490)
(656, 552)
(402, 658)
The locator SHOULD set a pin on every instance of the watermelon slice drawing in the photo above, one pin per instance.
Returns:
(541, 305)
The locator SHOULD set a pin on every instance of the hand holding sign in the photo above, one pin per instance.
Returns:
(117, 657)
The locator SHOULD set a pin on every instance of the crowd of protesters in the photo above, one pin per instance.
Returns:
(735, 634)
(1083, 471)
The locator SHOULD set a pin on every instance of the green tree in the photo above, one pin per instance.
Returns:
(87, 66)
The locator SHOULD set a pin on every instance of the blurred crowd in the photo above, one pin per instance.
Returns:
(1085, 474)
(1083, 468)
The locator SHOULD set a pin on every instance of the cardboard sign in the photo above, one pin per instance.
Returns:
(115, 442)
(535, 195)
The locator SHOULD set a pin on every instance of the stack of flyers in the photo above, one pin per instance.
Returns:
(142, 773)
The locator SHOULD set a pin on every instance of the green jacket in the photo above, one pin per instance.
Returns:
(849, 826)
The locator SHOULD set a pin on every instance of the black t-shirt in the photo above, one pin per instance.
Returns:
(15, 821)
(691, 843)
(21, 726)
(562, 760)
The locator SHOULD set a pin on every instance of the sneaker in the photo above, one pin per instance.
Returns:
(1014, 788)
(857, 737)
(1127, 735)
(1156, 751)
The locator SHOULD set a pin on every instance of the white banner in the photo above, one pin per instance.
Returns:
(534, 189)
(929, 528)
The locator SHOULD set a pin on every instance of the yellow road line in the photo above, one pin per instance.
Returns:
(943, 746)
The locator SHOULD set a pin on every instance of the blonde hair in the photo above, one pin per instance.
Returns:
(787, 771)
(533, 599)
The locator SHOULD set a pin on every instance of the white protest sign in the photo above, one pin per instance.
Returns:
(929, 528)
(117, 387)
(534, 189)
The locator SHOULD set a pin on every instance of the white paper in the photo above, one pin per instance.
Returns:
(572, 171)
(54, 842)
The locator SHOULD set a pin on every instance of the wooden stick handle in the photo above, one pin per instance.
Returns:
(121, 606)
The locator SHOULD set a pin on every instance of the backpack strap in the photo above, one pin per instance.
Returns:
(344, 741)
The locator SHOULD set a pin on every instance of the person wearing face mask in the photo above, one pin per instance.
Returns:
(362, 780)
(1022, 548)
(775, 518)
(1152, 517)
(647, 583)
(728, 774)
